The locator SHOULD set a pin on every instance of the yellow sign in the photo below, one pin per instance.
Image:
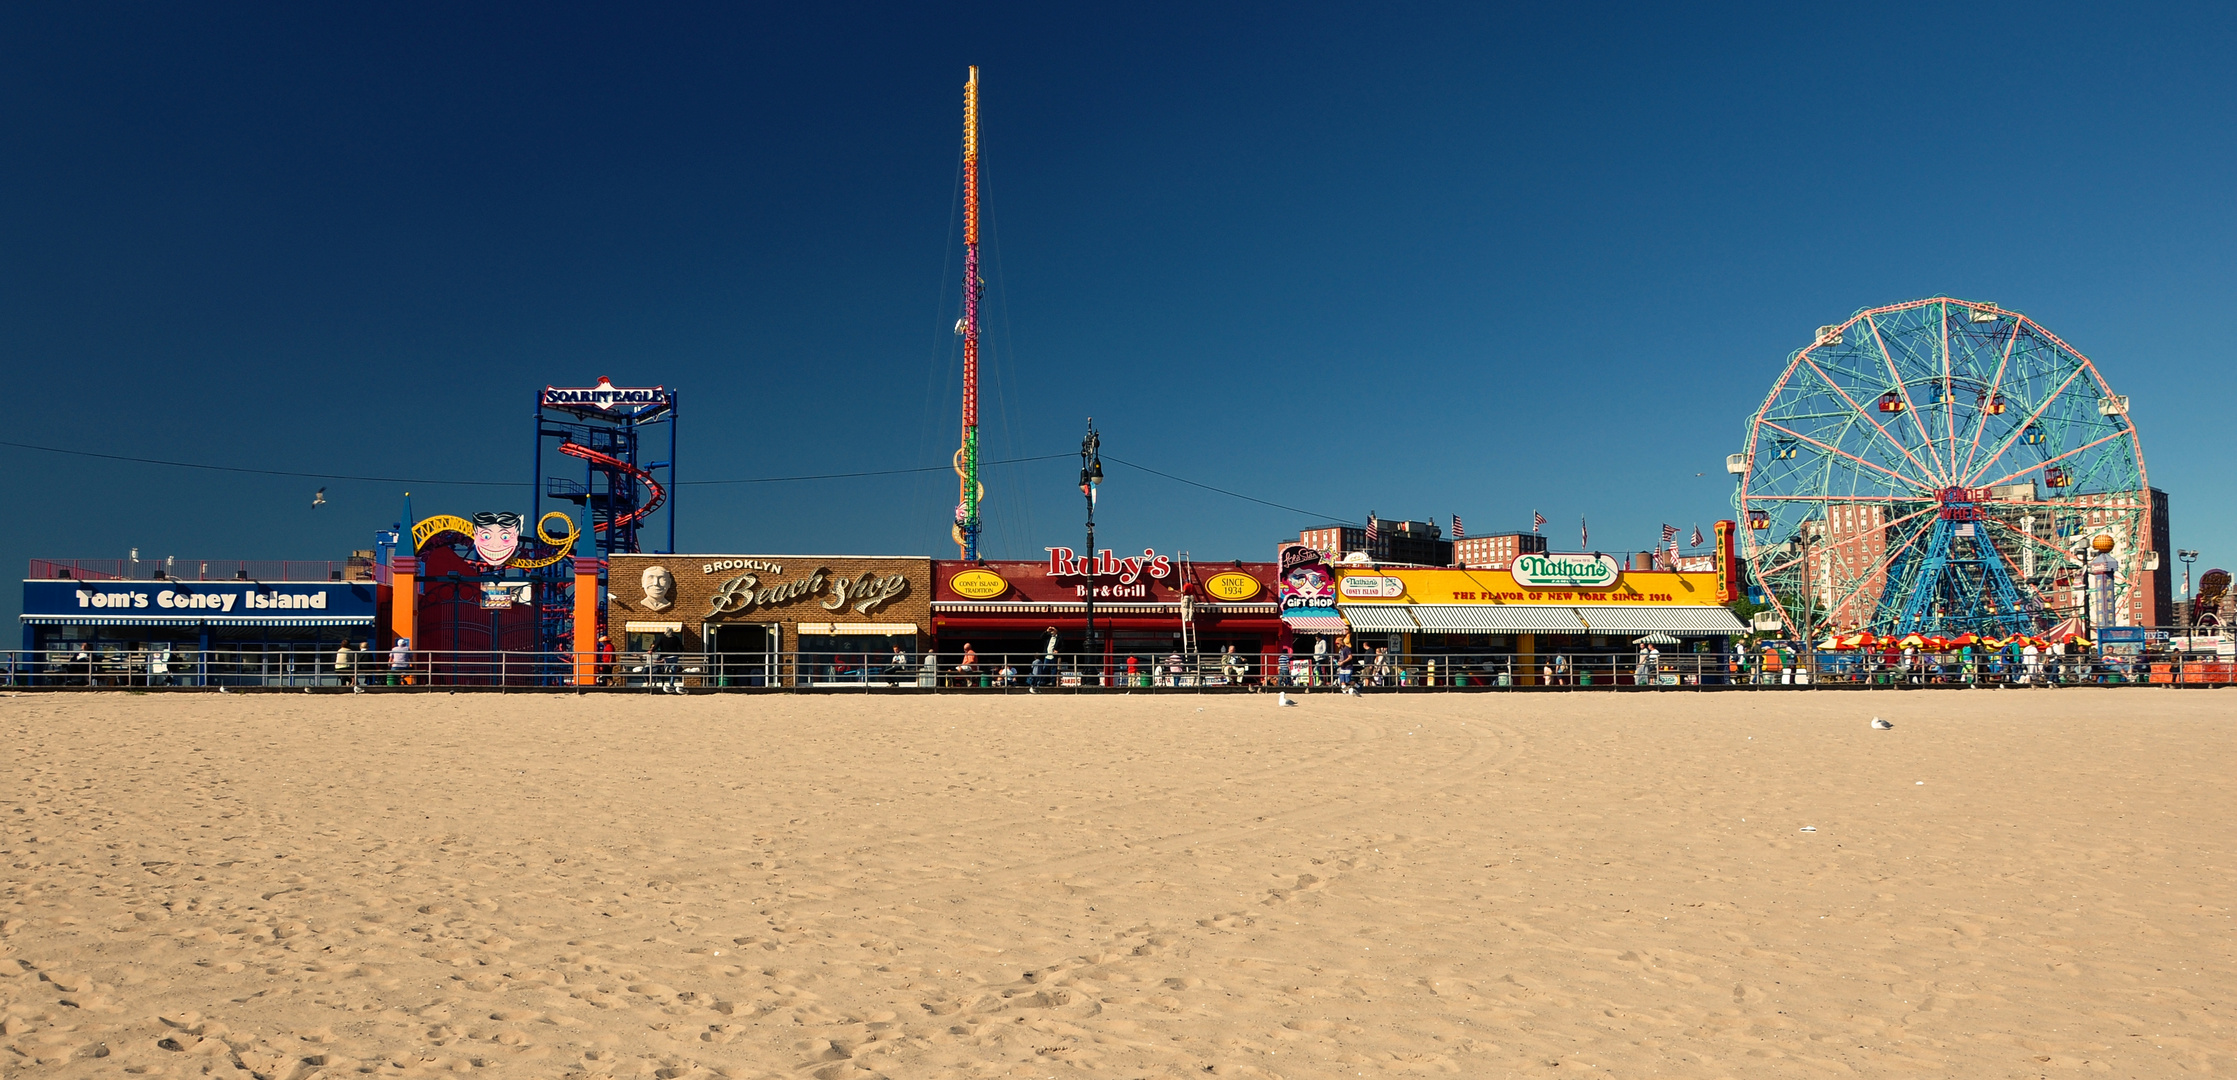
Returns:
(978, 584)
(431, 527)
(563, 544)
(1231, 586)
(1443, 586)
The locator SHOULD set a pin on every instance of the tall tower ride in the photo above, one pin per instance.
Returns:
(966, 529)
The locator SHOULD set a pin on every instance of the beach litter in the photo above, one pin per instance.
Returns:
(1809, 828)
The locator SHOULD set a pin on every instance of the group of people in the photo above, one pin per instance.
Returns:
(2014, 665)
(352, 667)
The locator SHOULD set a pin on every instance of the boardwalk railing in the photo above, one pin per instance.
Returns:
(311, 668)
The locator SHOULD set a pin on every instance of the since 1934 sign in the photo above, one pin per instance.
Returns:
(1566, 571)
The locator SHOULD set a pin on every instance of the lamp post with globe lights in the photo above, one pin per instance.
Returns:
(2190, 616)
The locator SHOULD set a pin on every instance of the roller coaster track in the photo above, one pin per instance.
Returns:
(611, 463)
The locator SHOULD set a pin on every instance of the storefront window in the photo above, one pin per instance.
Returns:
(855, 658)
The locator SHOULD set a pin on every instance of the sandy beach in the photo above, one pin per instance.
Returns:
(2007, 884)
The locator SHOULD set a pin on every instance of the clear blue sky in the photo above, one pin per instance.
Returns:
(1467, 259)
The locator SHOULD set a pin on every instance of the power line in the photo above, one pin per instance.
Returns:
(687, 483)
(253, 472)
(873, 472)
(1224, 491)
(484, 483)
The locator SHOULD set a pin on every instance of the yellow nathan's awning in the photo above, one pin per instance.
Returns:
(1497, 619)
(1378, 618)
(1696, 620)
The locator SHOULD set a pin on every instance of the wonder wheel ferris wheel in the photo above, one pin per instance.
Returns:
(1939, 467)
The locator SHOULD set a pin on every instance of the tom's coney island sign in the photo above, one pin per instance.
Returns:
(1565, 571)
(749, 591)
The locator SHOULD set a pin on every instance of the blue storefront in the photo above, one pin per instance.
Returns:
(191, 633)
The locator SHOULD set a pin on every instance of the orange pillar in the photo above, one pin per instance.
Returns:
(586, 620)
(403, 596)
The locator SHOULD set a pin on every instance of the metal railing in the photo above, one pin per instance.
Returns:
(196, 570)
(314, 667)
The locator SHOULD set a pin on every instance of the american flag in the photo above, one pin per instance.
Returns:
(1696, 537)
(1457, 534)
(1374, 532)
(1584, 533)
(1669, 533)
(1537, 521)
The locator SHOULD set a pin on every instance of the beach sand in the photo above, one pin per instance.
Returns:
(2007, 884)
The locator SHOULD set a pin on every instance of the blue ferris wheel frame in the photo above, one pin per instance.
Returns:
(1932, 467)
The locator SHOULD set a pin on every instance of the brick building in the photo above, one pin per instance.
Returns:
(1495, 552)
(1420, 543)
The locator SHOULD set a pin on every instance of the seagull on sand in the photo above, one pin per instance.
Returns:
(1880, 725)
(318, 498)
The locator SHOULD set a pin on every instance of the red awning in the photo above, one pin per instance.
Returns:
(1068, 623)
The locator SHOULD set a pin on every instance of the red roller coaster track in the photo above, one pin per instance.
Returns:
(614, 464)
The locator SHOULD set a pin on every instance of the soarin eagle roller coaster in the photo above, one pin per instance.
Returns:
(613, 465)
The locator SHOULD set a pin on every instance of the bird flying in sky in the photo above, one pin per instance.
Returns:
(318, 498)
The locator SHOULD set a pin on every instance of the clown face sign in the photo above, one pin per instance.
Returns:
(496, 536)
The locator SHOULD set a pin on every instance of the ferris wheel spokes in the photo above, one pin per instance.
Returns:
(1837, 451)
(1992, 395)
(1861, 411)
(2020, 430)
(1798, 560)
(2048, 462)
(1901, 387)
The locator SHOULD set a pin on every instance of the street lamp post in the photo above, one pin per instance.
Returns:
(1800, 546)
(2190, 617)
(1091, 476)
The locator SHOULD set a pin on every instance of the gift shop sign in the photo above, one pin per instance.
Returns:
(1565, 571)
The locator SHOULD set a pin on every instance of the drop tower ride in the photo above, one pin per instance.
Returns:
(966, 531)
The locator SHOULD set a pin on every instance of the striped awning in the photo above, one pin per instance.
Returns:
(1378, 618)
(1315, 624)
(1496, 619)
(1697, 620)
(158, 620)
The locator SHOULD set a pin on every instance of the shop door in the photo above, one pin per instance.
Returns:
(742, 655)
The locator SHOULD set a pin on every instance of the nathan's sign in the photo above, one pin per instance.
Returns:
(1565, 571)
(1371, 587)
(866, 594)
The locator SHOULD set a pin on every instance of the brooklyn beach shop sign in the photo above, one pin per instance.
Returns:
(746, 592)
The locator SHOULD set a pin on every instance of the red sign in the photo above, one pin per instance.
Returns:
(1062, 563)
(1148, 578)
